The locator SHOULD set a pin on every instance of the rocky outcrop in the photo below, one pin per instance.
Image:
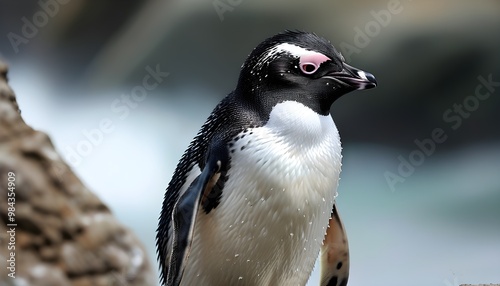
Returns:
(53, 230)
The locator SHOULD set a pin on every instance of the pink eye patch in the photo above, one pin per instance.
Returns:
(309, 63)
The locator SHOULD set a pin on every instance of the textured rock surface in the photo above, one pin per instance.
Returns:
(64, 234)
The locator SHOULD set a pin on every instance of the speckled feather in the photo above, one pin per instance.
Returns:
(224, 122)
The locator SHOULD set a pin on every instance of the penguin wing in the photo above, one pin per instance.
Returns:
(205, 189)
(335, 253)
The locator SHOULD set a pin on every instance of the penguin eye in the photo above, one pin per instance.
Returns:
(310, 63)
(308, 68)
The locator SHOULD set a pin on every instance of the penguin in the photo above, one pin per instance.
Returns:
(252, 200)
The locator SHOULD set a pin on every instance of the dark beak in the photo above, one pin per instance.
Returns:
(354, 78)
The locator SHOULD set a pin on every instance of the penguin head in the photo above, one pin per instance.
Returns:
(299, 66)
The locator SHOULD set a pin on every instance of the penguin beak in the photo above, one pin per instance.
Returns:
(354, 78)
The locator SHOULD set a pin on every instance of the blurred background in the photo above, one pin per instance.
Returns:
(415, 215)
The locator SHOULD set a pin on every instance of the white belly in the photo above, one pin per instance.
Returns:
(273, 214)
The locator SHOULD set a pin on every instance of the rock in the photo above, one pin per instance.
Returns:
(62, 233)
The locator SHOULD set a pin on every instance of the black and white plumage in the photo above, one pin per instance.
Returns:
(252, 196)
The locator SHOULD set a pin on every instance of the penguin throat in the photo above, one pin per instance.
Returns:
(298, 124)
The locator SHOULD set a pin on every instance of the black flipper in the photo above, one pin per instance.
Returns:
(186, 209)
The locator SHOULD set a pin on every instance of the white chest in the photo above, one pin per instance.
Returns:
(272, 217)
